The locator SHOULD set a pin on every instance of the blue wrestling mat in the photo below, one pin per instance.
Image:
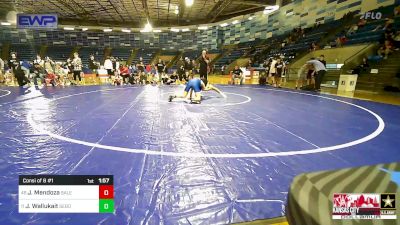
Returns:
(222, 161)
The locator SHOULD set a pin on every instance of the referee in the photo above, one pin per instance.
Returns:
(203, 64)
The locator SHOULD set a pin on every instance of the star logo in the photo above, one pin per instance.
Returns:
(388, 201)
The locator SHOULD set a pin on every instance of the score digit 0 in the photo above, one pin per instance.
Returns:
(106, 192)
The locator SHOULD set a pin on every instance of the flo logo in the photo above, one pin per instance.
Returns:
(372, 16)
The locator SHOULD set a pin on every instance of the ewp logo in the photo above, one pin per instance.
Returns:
(372, 15)
(37, 21)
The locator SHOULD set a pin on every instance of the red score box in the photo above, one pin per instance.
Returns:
(106, 191)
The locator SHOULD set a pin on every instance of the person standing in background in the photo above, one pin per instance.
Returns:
(93, 65)
(188, 68)
(108, 65)
(160, 70)
(12, 63)
(272, 70)
(180, 65)
(38, 70)
(140, 68)
(20, 76)
(77, 64)
(204, 67)
(279, 66)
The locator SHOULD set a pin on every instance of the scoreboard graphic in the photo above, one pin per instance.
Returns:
(66, 194)
(364, 206)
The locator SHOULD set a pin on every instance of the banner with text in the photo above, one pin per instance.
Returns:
(37, 21)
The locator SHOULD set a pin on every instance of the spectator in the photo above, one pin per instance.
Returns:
(237, 73)
(181, 69)
(396, 10)
(362, 67)
(279, 65)
(124, 72)
(51, 78)
(396, 41)
(61, 75)
(148, 68)
(38, 70)
(353, 29)
(13, 62)
(20, 76)
(108, 65)
(196, 67)
(117, 78)
(77, 64)
(188, 68)
(249, 64)
(313, 47)
(388, 24)
(160, 69)
(70, 68)
(361, 23)
(93, 65)
(173, 78)
(140, 68)
(388, 48)
(272, 70)
(48, 65)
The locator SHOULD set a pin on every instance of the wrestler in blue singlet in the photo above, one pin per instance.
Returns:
(194, 84)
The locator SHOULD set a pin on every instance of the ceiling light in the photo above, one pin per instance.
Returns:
(250, 18)
(202, 28)
(148, 26)
(224, 25)
(189, 2)
(174, 30)
(235, 22)
(84, 29)
(144, 31)
(126, 30)
(69, 28)
(157, 31)
(185, 29)
(176, 11)
(107, 30)
(5, 23)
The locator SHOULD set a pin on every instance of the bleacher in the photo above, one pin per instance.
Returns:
(167, 56)
(59, 53)
(230, 57)
(85, 53)
(25, 52)
(373, 30)
(194, 54)
(146, 54)
(122, 53)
